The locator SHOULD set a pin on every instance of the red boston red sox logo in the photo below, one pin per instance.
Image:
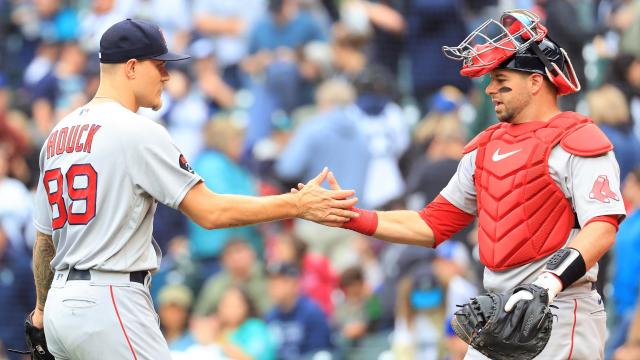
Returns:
(601, 190)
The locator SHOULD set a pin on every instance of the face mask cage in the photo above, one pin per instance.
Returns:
(483, 50)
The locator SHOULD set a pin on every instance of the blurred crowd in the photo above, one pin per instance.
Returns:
(274, 91)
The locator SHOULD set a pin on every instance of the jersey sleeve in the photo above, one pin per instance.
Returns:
(41, 207)
(157, 167)
(594, 185)
(461, 191)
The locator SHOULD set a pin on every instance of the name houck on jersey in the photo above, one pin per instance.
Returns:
(71, 139)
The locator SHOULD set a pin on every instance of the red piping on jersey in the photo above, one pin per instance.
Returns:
(113, 299)
(573, 330)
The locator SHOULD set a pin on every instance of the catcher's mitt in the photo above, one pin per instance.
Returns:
(519, 334)
(36, 343)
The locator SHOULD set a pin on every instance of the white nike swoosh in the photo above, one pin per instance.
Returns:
(497, 156)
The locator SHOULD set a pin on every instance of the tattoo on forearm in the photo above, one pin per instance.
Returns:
(43, 252)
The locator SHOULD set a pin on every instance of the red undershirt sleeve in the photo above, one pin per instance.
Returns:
(611, 219)
(444, 219)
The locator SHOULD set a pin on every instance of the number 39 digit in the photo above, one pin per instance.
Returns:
(86, 194)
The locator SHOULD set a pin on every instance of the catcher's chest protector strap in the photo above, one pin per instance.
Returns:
(522, 214)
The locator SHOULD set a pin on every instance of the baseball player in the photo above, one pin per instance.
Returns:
(102, 170)
(544, 185)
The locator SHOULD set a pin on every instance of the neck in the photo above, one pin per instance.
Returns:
(537, 112)
(108, 92)
(289, 303)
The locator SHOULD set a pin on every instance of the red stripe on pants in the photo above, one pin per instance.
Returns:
(113, 299)
(573, 330)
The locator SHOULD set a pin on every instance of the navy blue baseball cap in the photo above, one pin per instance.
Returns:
(135, 39)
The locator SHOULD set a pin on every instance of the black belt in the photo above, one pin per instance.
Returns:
(136, 276)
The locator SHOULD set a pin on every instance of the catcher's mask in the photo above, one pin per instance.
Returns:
(521, 44)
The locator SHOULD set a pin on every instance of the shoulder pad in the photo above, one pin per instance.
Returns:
(587, 140)
(475, 142)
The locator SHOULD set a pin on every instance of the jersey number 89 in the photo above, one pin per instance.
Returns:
(86, 194)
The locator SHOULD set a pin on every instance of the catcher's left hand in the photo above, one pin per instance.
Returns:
(36, 342)
(520, 334)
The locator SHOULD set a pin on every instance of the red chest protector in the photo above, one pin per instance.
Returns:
(523, 215)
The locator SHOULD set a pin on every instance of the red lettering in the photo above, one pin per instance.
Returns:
(62, 139)
(71, 139)
(79, 145)
(51, 144)
(92, 132)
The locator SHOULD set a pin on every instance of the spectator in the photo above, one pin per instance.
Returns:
(240, 268)
(418, 317)
(174, 304)
(70, 80)
(430, 25)
(452, 270)
(187, 113)
(572, 36)
(16, 295)
(355, 317)
(227, 25)
(608, 108)
(437, 147)
(96, 20)
(285, 26)
(223, 139)
(218, 95)
(626, 20)
(626, 284)
(625, 75)
(631, 349)
(333, 138)
(387, 131)
(41, 86)
(241, 334)
(366, 252)
(318, 280)
(15, 207)
(297, 324)
(232, 332)
(172, 16)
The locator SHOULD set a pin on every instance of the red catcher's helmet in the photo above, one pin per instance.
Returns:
(521, 44)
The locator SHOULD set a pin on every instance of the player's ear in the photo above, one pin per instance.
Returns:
(130, 68)
(536, 83)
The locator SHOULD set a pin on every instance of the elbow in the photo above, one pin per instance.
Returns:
(210, 222)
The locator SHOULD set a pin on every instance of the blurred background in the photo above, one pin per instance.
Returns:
(275, 90)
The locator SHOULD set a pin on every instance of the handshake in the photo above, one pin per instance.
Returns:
(334, 207)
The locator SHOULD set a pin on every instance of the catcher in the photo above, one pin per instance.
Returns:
(544, 185)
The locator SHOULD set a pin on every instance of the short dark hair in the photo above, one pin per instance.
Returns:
(351, 276)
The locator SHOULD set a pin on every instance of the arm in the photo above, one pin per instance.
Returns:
(43, 253)
(385, 17)
(429, 227)
(219, 25)
(594, 240)
(212, 211)
(234, 351)
(404, 227)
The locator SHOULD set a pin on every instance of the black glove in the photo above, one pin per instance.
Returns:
(519, 334)
(36, 343)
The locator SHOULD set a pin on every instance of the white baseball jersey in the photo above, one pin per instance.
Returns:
(102, 169)
(576, 176)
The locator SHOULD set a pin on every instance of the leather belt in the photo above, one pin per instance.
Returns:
(136, 276)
